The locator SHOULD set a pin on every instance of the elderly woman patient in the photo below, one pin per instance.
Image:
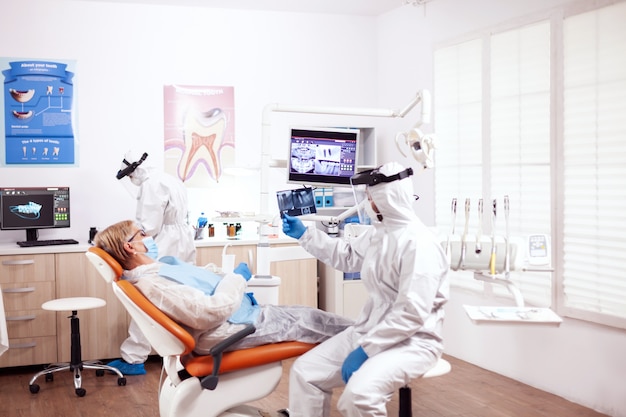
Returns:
(209, 306)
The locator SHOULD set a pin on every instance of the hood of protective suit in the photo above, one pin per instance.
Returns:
(394, 200)
(138, 176)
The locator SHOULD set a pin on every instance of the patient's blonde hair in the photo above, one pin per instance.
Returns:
(112, 240)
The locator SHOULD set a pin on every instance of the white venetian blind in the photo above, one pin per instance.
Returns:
(594, 163)
(512, 156)
(520, 142)
(458, 121)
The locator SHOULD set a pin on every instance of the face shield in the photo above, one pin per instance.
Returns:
(126, 169)
(361, 183)
(129, 167)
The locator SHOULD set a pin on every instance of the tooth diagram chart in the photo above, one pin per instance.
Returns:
(199, 131)
(38, 113)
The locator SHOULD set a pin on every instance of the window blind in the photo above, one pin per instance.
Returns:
(594, 179)
(512, 156)
(459, 156)
(520, 142)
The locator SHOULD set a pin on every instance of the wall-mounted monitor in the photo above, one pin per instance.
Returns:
(34, 208)
(322, 156)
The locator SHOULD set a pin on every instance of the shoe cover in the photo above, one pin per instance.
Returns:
(128, 368)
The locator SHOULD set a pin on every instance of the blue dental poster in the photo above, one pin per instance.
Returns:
(38, 112)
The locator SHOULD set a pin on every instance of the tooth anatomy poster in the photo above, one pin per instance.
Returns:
(38, 112)
(199, 132)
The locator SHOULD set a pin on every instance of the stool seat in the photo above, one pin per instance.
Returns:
(73, 304)
(76, 364)
(441, 368)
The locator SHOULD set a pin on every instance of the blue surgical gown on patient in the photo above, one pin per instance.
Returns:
(206, 281)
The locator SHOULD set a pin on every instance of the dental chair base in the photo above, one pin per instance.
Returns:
(188, 398)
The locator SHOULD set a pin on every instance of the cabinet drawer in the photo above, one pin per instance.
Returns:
(31, 323)
(26, 268)
(30, 351)
(27, 295)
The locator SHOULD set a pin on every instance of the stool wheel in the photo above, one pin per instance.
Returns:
(121, 381)
(34, 389)
(81, 392)
(49, 377)
(100, 372)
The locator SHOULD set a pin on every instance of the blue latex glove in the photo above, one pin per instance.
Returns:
(243, 270)
(293, 226)
(353, 362)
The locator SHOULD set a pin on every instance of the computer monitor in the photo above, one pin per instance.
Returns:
(34, 208)
(322, 156)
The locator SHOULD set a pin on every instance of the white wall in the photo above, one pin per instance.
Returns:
(126, 53)
(579, 361)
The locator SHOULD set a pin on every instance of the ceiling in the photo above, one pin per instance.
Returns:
(352, 7)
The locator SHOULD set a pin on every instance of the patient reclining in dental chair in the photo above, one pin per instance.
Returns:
(210, 307)
(191, 316)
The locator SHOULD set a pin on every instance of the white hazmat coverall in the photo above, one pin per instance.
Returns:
(161, 212)
(404, 270)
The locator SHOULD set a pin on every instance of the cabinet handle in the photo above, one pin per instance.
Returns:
(14, 290)
(21, 318)
(19, 262)
(22, 345)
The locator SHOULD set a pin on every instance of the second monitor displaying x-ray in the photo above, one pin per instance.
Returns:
(296, 202)
(322, 156)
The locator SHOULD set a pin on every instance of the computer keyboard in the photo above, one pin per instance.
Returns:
(51, 242)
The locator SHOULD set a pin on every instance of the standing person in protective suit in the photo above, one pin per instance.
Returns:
(162, 213)
(398, 334)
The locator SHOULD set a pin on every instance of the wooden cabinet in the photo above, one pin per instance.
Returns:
(38, 336)
(298, 277)
(298, 280)
(339, 295)
(102, 330)
(27, 281)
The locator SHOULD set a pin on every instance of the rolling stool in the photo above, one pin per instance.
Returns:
(76, 364)
(405, 410)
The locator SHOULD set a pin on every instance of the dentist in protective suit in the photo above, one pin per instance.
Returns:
(161, 212)
(398, 335)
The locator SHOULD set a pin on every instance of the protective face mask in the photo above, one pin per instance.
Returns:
(135, 180)
(151, 247)
(372, 214)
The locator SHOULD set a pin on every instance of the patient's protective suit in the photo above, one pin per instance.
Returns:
(208, 313)
(161, 211)
(404, 270)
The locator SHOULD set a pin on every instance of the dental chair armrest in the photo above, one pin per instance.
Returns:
(210, 381)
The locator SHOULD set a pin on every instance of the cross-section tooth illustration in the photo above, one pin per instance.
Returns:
(21, 96)
(203, 136)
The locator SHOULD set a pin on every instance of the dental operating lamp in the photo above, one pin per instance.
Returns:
(421, 147)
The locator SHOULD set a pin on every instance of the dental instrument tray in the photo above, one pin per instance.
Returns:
(512, 314)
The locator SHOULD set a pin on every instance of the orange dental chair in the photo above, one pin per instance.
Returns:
(219, 384)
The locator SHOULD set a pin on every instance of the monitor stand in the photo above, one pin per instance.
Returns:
(32, 234)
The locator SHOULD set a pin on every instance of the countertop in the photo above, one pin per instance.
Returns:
(14, 249)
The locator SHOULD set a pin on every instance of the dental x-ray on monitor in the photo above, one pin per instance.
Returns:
(322, 156)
